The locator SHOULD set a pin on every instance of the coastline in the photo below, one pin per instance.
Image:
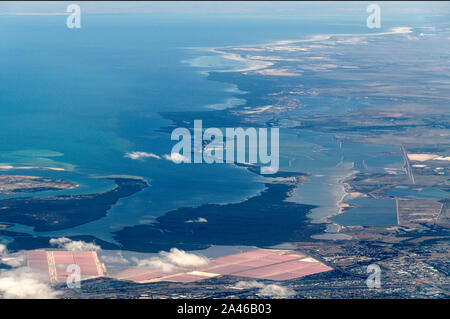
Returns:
(65, 211)
(229, 224)
(260, 64)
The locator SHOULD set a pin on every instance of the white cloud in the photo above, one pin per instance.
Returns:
(2, 249)
(141, 155)
(176, 158)
(268, 170)
(11, 259)
(276, 291)
(197, 220)
(172, 260)
(72, 245)
(23, 283)
(114, 259)
(183, 259)
(267, 290)
(155, 263)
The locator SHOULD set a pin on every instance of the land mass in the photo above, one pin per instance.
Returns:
(10, 184)
(61, 212)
